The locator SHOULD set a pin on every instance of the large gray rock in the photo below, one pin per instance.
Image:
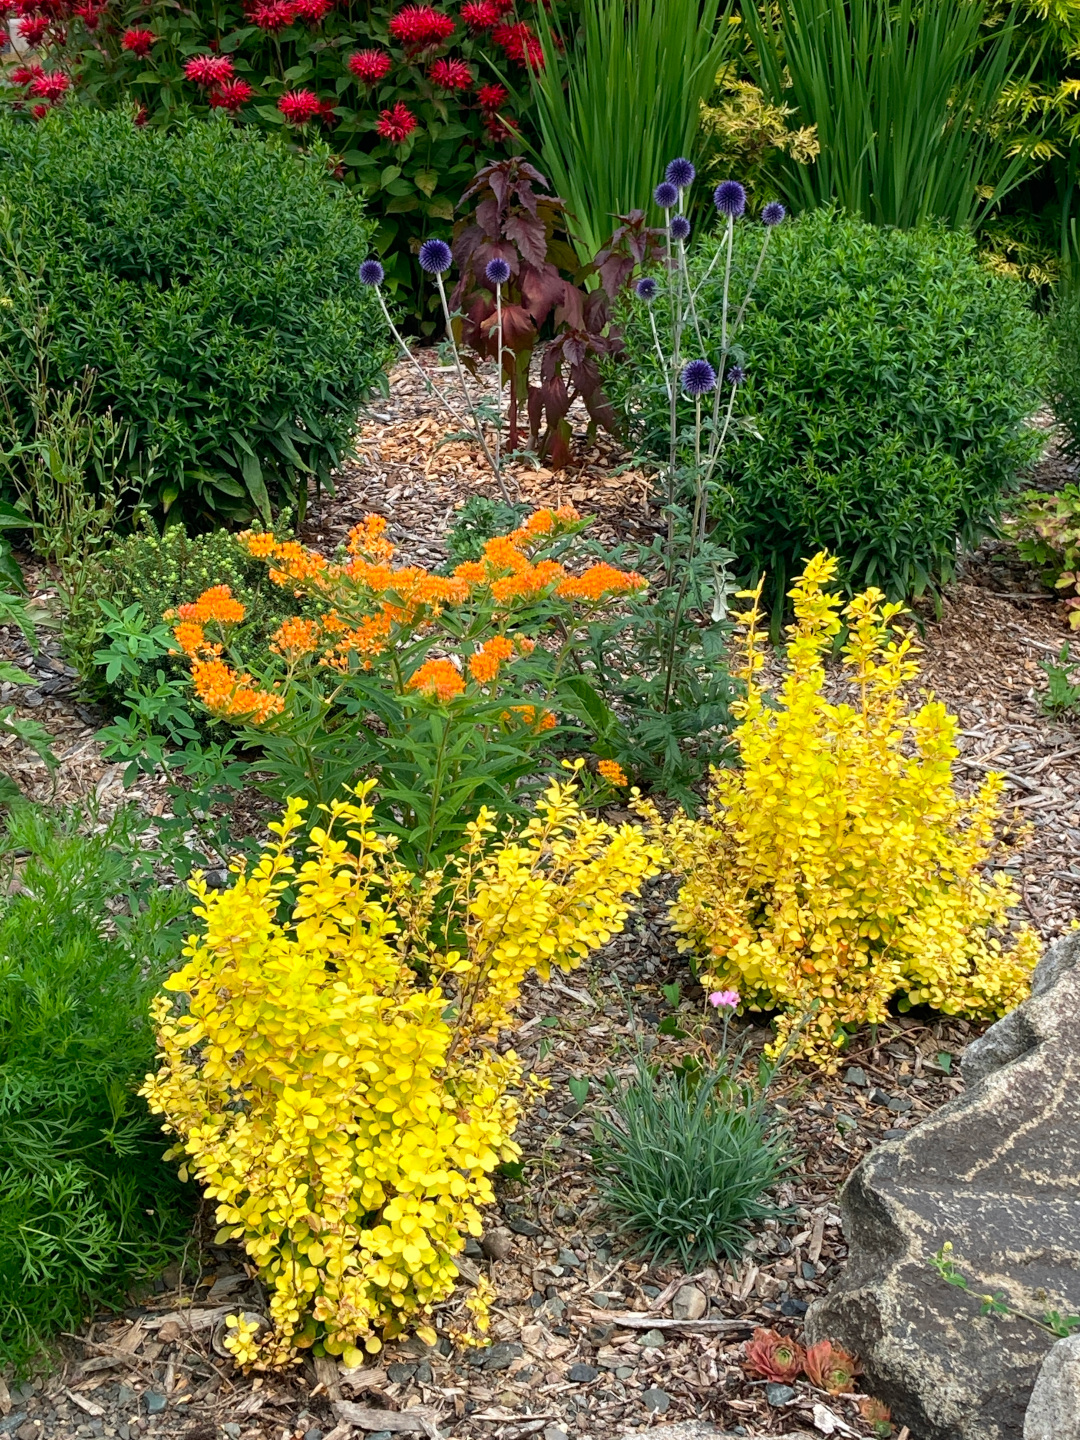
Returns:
(997, 1173)
(1053, 1411)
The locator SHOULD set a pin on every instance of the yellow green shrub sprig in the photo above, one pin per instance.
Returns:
(838, 868)
(334, 1077)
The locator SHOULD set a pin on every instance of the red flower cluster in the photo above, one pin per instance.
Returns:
(26, 74)
(139, 42)
(450, 75)
(209, 70)
(492, 97)
(51, 86)
(274, 15)
(299, 106)
(232, 96)
(369, 66)
(396, 124)
(89, 12)
(313, 12)
(419, 26)
(520, 44)
(33, 29)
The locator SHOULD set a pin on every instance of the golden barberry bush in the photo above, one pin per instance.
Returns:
(335, 1077)
(837, 867)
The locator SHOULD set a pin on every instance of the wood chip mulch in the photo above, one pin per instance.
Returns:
(586, 1340)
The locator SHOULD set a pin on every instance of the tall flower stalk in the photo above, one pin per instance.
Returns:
(435, 258)
(711, 385)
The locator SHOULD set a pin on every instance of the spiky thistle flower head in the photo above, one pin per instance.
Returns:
(666, 195)
(645, 289)
(773, 213)
(497, 271)
(679, 227)
(698, 378)
(729, 197)
(371, 273)
(680, 172)
(435, 257)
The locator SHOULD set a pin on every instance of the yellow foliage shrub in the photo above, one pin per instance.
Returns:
(334, 1077)
(838, 867)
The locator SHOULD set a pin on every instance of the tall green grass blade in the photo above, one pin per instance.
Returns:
(905, 97)
(619, 98)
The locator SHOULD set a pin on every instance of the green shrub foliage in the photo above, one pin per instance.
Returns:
(208, 279)
(86, 1204)
(889, 381)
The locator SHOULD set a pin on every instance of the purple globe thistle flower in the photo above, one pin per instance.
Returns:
(773, 213)
(666, 195)
(497, 271)
(435, 256)
(698, 378)
(736, 375)
(729, 197)
(371, 273)
(645, 289)
(679, 227)
(680, 172)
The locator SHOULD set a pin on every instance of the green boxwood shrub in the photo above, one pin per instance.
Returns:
(890, 381)
(87, 1204)
(207, 277)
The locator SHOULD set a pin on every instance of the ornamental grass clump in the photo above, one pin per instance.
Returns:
(334, 1075)
(837, 869)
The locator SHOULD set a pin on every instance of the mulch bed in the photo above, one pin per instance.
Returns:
(587, 1341)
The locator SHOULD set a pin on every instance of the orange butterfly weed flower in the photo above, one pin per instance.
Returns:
(484, 664)
(190, 636)
(295, 638)
(215, 604)
(612, 772)
(296, 565)
(368, 539)
(437, 677)
(598, 581)
(539, 720)
(226, 693)
(259, 543)
(527, 584)
(472, 572)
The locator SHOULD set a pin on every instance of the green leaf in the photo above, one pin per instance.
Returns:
(671, 993)
(579, 1089)
(253, 479)
(945, 1060)
(426, 180)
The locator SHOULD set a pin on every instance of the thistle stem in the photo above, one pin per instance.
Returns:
(465, 391)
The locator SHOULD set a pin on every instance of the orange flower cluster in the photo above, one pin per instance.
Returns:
(539, 720)
(226, 693)
(484, 664)
(216, 604)
(598, 582)
(612, 772)
(295, 638)
(437, 677)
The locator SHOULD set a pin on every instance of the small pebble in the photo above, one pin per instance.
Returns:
(582, 1374)
(155, 1402)
(652, 1340)
(778, 1394)
(313, 1434)
(856, 1076)
(657, 1401)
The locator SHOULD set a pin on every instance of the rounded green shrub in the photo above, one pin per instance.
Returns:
(890, 378)
(207, 280)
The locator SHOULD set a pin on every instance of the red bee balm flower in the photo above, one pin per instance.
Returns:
(480, 14)
(450, 75)
(369, 66)
(25, 74)
(396, 124)
(492, 97)
(275, 15)
(313, 11)
(232, 96)
(139, 42)
(39, 111)
(299, 106)
(33, 29)
(209, 70)
(418, 26)
(51, 87)
(520, 44)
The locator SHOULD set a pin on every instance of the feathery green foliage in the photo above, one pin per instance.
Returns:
(904, 95)
(86, 1204)
(621, 100)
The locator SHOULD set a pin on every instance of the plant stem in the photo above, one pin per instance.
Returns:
(465, 391)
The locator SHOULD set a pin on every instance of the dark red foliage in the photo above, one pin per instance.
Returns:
(514, 221)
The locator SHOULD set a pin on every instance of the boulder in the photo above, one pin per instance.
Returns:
(996, 1172)
(1053, 1411)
